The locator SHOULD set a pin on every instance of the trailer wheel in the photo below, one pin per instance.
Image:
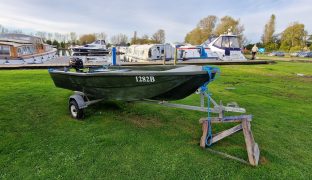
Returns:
(74, 110)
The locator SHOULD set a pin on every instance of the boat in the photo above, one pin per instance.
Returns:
(226, 46)
(98, 47)
(24, 49)
(191, 52)
(149, 52)
(132, 83)
(121, 49)
(153, 52)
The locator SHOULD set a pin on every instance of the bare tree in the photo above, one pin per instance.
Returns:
(50, 36)
(65, 37)
(101, 35)
(57, 36)
(3, 29)
(73, 37)
(159, 36)
(41, 34)
(134, 38)
(119, 39)
(17, 31)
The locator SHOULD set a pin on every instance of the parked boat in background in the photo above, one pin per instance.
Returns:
(153, 52)
(226, 46)
(97, 48)
(24, 49)
(149, 52)
(121, 49)
(187, 52)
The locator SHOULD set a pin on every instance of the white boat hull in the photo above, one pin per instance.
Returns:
(36, 59)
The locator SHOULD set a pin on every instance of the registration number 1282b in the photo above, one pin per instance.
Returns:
(145, 79)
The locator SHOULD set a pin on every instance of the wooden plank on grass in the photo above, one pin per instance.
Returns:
(227, 119)
(204, 136)
(226, 133)
(252, 147)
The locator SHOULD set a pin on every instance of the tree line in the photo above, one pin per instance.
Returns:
(158, 37)
(212, 26)
(65, 40)
(293, 38)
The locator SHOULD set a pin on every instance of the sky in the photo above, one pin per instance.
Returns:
(176, 17)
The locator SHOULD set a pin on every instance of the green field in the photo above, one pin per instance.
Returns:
(287, 57)
(120, 140)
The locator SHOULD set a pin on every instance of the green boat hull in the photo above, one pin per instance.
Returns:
(135, 83)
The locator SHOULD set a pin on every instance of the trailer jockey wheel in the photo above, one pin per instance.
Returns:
(74, 110)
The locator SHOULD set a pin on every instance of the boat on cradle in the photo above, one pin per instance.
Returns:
(97, 48)
(226, 46)
(153, 52)
(121, 49)
(24, 49)
(190, 52)
(135, 82)
(149, 52)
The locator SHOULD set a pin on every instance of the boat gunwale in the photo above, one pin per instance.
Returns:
(129, 73)
(122, 71)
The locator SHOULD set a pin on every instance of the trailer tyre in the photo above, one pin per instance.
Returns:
(74, 110)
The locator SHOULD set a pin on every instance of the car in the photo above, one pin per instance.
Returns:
(277, 53)
(309, 54)
(295, 54)
(272, 54)
(280, 54)
(303, 54)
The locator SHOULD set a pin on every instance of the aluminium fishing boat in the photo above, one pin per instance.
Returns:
(131, 83)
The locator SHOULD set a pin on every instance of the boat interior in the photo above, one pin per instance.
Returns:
(118, 69)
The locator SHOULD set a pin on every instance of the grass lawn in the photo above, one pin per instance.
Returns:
(277, 58)
(133, 140)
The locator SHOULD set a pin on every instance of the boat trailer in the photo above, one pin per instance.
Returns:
(80, 101)
(208, 138)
